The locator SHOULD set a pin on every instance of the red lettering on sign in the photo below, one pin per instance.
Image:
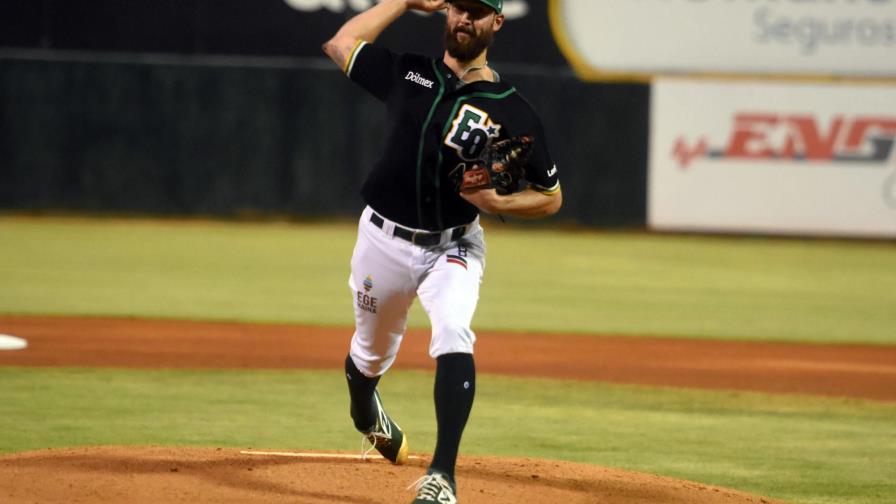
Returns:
(768, 136)
(863, 126)
(750, 136)
(816, 146)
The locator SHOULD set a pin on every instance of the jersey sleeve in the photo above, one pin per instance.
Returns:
(541, 171)
(372, 67)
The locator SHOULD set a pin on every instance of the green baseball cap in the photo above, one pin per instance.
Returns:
(494, 4)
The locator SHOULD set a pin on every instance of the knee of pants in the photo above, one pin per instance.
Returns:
(369, 363)
(451, 338)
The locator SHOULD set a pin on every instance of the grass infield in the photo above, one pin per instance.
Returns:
(804, 449)
(537, 280)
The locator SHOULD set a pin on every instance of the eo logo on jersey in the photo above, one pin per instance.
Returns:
(470, 132)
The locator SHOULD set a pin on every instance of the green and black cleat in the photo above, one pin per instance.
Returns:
(386, 436)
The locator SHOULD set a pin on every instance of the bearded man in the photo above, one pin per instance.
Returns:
(419, 234)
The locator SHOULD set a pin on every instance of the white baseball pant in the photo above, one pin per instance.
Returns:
(388, 272)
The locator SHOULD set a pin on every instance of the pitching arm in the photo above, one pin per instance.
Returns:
(368, 25)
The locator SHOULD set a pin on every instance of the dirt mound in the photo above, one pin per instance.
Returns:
(205, 475)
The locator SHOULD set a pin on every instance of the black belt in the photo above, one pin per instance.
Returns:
(422, 238)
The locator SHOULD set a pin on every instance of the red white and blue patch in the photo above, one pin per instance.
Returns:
(456, 259)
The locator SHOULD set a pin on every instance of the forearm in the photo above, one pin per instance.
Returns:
(528, 204)
(365, 26)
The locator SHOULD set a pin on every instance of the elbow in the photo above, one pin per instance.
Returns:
(329, 47)
(338, 48)
(554, 205)
(549, 206)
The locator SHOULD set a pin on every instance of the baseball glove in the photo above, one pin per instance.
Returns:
(502, 165)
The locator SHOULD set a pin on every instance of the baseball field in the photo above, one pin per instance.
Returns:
(193, 361)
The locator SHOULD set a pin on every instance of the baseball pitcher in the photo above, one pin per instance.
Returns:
(459, 141)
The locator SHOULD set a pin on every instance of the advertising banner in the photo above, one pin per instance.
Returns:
(631, 38)
(784, 158)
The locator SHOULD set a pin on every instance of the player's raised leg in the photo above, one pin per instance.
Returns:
(382, 294)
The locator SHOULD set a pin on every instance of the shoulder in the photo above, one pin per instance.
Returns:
(524, 103)
(413, 61)
(417, 59)
(515, 106)
(380, 52)
(510, 96)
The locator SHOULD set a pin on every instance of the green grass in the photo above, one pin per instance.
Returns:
(536, 280)
(804, 449)
(176, 270)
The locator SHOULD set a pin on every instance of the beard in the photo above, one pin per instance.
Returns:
(471, 48)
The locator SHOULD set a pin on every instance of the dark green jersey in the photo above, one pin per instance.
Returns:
(434, 123)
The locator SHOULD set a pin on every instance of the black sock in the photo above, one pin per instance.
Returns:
(454, 390)
(361, 389)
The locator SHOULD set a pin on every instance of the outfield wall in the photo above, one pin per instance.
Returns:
(224, 136)
(226, 107)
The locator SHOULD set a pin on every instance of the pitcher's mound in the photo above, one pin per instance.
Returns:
(208, 475)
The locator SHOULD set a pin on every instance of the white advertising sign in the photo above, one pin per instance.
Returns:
(773, 158)
(607, 38)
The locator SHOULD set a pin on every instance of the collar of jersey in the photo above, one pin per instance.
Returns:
(476, 86)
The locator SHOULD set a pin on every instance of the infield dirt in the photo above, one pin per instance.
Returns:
(192, 475)
(862, 371)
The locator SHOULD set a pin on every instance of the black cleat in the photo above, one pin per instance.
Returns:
(434, 488)
(386, 436)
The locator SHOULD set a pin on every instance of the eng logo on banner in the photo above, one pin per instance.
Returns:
(755, 135)
(789, 158)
